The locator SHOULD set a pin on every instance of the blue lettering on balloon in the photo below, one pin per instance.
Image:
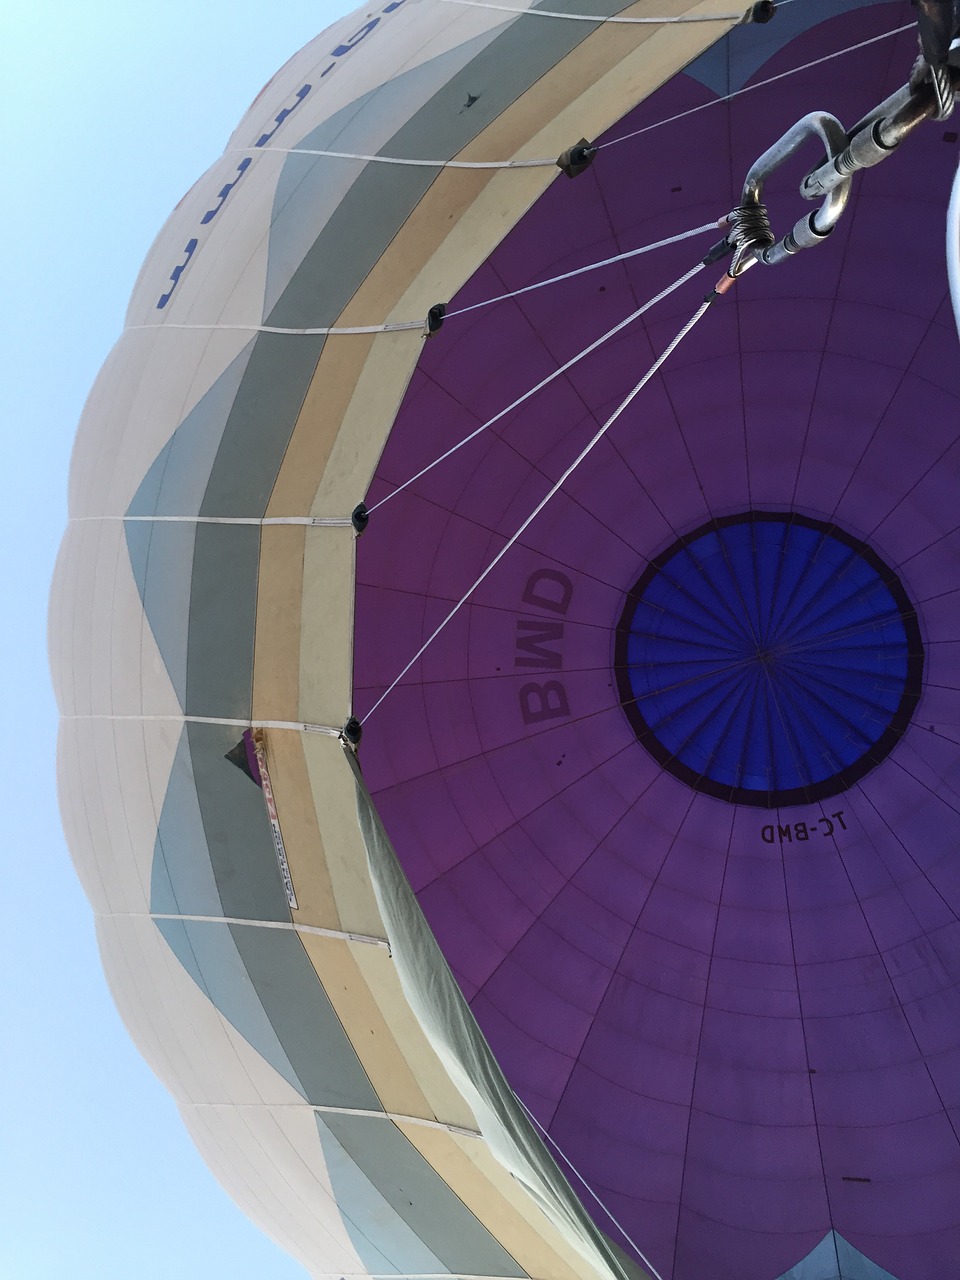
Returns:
(279, 119)
(242, 168)
(340, 51)
(177, 272)
(352, 41)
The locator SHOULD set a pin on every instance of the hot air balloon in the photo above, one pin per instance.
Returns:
(507, 648)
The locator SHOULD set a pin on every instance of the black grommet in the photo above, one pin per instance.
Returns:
(762, 11)
(360, 517)
(435, 318)
(352, 731)
(575, 159)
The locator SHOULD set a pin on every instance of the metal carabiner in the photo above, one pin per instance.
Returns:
(874, 137)
(816, 226)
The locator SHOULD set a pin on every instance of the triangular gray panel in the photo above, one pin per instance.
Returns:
(177, 479)
(161, 557)
(836, 1259)
(727, 65)
(189, 577)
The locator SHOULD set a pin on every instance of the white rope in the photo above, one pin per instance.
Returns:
(313, 522)
(540, 385)
(598, 17)
(953, 247)
(319, 1108)
(419, 164)
(704, 106)
(577, 1174)
(551, 162)
(554, 489)
(298, 726)
(593, 266)
(272, 328)
(296, 926)
(418, 325)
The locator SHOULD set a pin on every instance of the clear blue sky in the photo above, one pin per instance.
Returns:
(110, 110)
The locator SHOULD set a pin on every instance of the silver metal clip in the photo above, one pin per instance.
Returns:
(929, 94)
(877, 134)
(815, 227)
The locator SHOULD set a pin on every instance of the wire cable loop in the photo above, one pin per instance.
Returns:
(943, 91)
(750, 233)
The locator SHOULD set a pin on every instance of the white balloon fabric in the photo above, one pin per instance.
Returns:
(619, 938)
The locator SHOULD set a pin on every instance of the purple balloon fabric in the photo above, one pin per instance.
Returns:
(741, 1025)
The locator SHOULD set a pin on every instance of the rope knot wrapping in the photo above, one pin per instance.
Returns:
(749, 233)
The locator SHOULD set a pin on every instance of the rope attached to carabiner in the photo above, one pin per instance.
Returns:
(750, 233)
(929, 93)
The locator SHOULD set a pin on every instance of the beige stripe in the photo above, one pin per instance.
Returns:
(326, 625)
(277, 655)
(332, 793)
(491, 1194)
(368, 1000)
(316, 903)
(444, 1098)
(320, 418)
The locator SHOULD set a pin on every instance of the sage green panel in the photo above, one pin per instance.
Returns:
(223, 611)
(239, 841)
(162, 554)
(161, 558)
(182, 879)
(384, 1243)
(303, 1019)
(260, 423)
(411, 1186)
